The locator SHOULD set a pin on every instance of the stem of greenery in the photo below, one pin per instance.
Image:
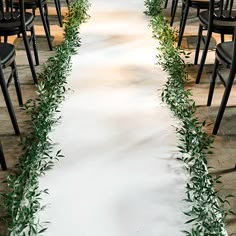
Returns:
(22, 201)
(207, 209)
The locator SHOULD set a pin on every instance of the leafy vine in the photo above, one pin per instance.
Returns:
(22, 201)
(207, 211)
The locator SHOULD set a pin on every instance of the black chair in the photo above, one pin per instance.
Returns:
(2, 159)
(186, 4)
(43, 9)
(226, 56)
(18, 22)
(7, 56)
(221, 21)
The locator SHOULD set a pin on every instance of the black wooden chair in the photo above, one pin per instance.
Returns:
(2, 159)
(221, 21)
(43, 9)
(226, 56)
(186, 5)
(18, 22)
(7, 59)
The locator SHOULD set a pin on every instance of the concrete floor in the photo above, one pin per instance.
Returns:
(223, 159)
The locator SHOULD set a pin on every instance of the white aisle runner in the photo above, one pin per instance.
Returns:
(119, 176)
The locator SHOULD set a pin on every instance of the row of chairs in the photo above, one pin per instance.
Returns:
(215, 16)
(16, 19)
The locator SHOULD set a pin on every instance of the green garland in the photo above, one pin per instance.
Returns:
(22, 201)
(207, 210)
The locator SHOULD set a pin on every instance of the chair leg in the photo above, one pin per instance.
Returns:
(46, 17)
(198, 12)
(212, 82)
(5, 39)
(166, 2)
(204, 54)
(172, 7)
(8, 103)
(45, 26)
(58, 9)
(33, 36)
(224, 102)
(183, 22)
(199, 37)
(182, 13)
(173, 11)
(222, 38)
(17, 83)
(30, 59)
(226, 5)
(2, 159)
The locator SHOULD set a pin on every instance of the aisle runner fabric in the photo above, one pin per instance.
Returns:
(120, 176)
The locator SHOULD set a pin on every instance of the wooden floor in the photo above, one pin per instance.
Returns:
(223, 160)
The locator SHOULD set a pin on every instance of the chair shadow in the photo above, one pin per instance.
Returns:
(223, 172)
(192, 42)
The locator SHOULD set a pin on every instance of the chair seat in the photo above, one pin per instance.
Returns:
(13, 26)
(224, 51)
(227, 26)
(7, 54)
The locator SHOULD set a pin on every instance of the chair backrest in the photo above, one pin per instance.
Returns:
(10, 14)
